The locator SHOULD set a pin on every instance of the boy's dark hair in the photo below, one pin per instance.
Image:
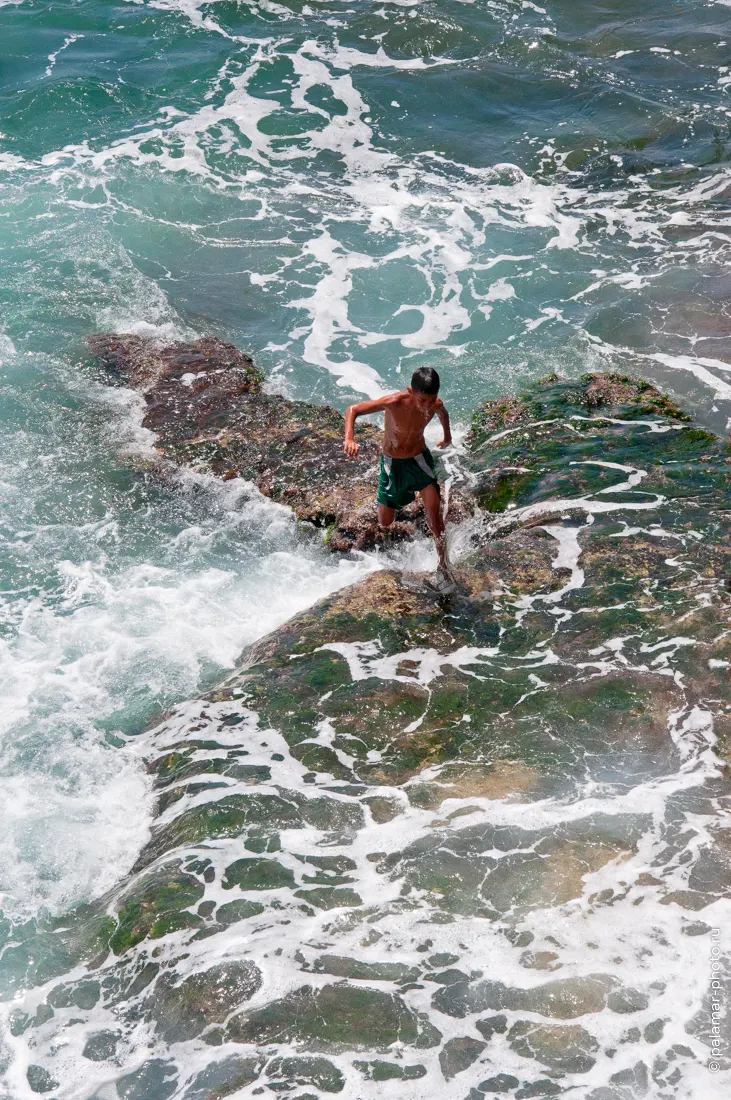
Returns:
(425, 380)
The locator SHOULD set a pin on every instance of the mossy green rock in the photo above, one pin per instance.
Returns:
(155, 905)
(389, 1071)
(257, 874)
(305, 1071)
(586, 649)
(342, 967)
(335, 1017)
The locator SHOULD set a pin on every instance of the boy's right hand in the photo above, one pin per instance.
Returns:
(351, 448)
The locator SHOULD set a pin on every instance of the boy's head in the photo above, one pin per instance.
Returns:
(425, 380)
(425, 386)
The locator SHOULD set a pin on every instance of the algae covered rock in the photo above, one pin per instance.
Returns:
(305, 1071)
(182, 1008)
(155, 905)
(335, 1017)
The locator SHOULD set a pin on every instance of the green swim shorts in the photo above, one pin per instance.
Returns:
(402, 478)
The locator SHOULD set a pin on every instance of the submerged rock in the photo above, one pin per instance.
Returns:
(157, 1079)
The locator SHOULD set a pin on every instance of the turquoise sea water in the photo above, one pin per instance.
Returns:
(498, 189)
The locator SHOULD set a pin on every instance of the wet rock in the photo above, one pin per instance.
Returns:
(257, 874)
(627, 1000)
(306, 1071)
(329, 897)
(382, 809)
(696, 928)
(82, 995)
(206, 406)
(155, 1080)
(40, 950)
(509, 435)
(155, 905)
(502, 1082)
(565, 1048)
(227, 817)
(636, 1078)
(543, 1087)
(439, 699)
(442, 958)
(101, 1045)
(449, 977)
(458, 1055)
(497, 780)
(540, 960)
(182, 1009)
(389, 1071)
(40, 1080)
(342, 967)
(233, 911)
(653, 1033)
(335, 1017)
(492, 1025)
(19, 1022)
(220, 1079)
(563, 999)
(330, 870)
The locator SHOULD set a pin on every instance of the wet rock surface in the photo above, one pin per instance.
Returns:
(415, 840)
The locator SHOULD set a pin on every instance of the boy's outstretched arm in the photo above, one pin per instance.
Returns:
(444, 421)
(350, 447)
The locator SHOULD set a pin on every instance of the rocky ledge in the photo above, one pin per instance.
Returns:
(207, 407)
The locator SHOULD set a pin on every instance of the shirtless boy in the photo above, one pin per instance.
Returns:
(407, 467)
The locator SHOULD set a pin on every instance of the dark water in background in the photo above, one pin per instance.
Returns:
(497, 189)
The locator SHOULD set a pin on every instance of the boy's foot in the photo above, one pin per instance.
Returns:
(442, 583)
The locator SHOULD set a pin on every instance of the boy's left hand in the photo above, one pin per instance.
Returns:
(446, 442)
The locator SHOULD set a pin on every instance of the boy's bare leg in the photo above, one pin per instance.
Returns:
(433, 507)
(386, 515)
